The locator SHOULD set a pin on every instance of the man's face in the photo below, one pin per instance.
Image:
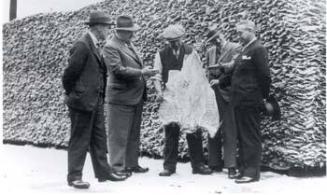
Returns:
(175, 44)
(125, 35)
(245, 35)
(103, 31)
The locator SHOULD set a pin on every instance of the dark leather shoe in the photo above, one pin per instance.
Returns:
(79, 184)
(232, 173)
(238, 175)
(137, 169)
(216, 168)
(124, 173)
(202, 170)
(245, 179)
(113, 176)
(166, 173)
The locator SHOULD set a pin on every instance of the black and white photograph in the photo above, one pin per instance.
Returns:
(163, 97)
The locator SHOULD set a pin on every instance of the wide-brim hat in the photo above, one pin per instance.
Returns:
(276, 113)
(126, 23)
(98, 17)
(173, 32)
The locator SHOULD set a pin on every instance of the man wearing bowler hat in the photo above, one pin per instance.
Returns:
(250, 87)
(126, 93)
(84, 81)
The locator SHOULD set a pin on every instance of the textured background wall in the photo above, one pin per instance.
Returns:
(35, 52)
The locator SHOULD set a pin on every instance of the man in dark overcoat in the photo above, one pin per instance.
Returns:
(84, 82)
(250, 87)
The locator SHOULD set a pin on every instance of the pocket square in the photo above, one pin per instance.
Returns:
(244, 57)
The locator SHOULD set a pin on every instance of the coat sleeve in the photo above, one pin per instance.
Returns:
(228, 65)
(114, 64)
(225, 80)
(76, 63)
(158, 66)
(263, 73)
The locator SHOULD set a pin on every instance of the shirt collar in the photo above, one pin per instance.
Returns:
(249, 43)
(223, 47)
(127, 42)
(94, 38)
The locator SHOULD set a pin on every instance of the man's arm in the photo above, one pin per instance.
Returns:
(206, 65)
(158, 77)
(233, 51)
(76, 64)
(263, 73)
(114, 64)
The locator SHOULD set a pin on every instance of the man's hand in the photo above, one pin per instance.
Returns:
(147, 71)
(160, 97)
(66, 98)
(214, 82)
(269, 108)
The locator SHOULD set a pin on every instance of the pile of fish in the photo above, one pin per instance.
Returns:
(35, 53)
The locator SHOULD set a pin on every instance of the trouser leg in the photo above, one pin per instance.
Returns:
(194, 141)
(171, 146)
(120, 118)
(215, 143)
(98, 145)
(133, 142)
(248, 120)
(81, 127)
(230, 138)
(215, 150)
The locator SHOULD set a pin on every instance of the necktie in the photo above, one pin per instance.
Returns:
(99, 46)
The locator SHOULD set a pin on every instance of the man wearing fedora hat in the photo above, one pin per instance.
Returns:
(126, 92)
(84, 82)
(250, 87)
(219, 63)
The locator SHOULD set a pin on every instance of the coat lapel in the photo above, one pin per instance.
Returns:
(137, 55)
(123, 47)
(93, 47)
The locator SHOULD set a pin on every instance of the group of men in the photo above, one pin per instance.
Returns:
(112, 80)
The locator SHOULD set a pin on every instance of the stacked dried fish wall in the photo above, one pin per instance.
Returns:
(35, 52)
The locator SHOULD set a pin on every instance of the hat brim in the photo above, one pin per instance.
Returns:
(162, 36)
(134, 28)
(172, 38)
(242, 28)
(212, 37)
(99, 23)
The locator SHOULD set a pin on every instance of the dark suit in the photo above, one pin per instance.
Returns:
(126, 92)
(84, 82)
(250, 85)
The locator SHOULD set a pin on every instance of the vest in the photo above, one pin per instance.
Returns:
(169, 61)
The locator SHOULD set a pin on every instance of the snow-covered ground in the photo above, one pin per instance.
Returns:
(32, 170)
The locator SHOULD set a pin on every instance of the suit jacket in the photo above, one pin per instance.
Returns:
(251, 77)
(126, 84)
(84, 79)
(223, 74)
